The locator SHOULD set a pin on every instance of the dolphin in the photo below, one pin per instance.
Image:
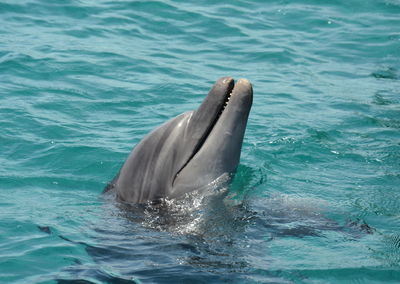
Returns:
(190, 151)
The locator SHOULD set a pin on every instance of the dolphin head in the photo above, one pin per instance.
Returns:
(223, 117)
(191, 150)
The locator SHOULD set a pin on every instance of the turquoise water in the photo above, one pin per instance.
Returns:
(316, 198)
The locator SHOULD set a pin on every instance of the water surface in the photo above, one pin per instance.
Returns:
(316, 197)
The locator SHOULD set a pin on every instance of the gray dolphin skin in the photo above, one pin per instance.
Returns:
(189, 151)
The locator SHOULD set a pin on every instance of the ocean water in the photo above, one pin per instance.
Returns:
(316, 198)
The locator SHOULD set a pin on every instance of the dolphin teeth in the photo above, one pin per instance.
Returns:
(224, 105)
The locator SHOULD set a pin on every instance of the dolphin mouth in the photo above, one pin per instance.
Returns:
(216, 108)
(224, 101)
(224, 105)
(243, 93)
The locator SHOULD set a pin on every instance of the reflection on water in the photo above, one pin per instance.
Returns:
(205, 236)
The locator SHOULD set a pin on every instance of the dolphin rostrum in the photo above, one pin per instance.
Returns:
(189, 151)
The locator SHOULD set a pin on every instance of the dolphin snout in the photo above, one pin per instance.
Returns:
(226, 80)
(244, 81)
(244, 85)
(244, 91)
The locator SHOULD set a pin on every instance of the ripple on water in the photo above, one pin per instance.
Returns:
(82, 82)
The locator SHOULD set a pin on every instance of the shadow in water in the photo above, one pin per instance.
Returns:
(201, 238)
